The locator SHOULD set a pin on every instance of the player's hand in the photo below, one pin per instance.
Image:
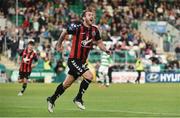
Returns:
(109, 52)
(59, 47)
(33, 65)
(19, 62)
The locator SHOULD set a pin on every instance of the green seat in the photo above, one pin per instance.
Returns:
(60, 77)
(119, 56)
(76, 8)
(130, 58)
(162, 67)
(2, 68)
(94, 56)
(99, 13)
(40, 65)
(20, 19)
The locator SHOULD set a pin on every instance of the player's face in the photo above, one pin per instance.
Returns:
(30, 47)
(89, 18)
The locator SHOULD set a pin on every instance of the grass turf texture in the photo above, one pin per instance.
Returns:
(118, 100)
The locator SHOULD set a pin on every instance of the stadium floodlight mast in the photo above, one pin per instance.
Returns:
(16, 13)
(16, 18)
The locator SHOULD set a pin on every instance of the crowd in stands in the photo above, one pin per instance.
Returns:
(43, 21)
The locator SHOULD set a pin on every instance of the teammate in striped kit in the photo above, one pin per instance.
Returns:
(84, 35)
(26, 65)
(106, 61)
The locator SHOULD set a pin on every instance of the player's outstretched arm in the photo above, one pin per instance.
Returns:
(102, 47)
(34, 65)
(18, 60)
(60, 40)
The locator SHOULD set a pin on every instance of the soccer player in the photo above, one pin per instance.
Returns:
(106, 61)
(85, 34)
(139, 68)
(26, 64)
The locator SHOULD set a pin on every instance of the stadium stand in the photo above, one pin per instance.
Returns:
(120, 22)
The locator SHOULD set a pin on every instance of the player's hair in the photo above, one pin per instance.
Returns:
(88, 9)
(31, 43)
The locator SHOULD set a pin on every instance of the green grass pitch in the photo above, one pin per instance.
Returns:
(122, 100)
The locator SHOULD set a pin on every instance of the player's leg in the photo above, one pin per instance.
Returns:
(62, 87)
(101, 75)
(88, 76)
(106, 80)
(138, 77)
(23, 79)
(59, 91)
(24, 85)
(110, 70)
(106, 77)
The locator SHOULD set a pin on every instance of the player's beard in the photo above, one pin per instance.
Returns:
(89, 22)
(30, 49)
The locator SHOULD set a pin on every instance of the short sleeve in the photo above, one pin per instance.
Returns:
(20, 52)
(35, 58)
(97, 35)
(72, 28)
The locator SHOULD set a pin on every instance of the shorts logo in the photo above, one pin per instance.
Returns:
(85, 67)
(76, 66)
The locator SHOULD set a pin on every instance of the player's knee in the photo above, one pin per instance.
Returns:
(68, 81)
(19, 80)
(66, 85)
(25, 81)
(89, 76)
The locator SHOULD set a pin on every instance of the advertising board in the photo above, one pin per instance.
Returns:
(127, 77)
(162, 77)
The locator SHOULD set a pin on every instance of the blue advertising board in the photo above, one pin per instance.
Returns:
(162, 77)
(158, 27)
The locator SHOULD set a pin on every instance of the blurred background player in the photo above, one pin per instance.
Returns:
(85, 34)
(139, 68)
(26, 64)
(106, 62)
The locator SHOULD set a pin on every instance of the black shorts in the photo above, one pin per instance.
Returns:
(76, 67)
(23, 75)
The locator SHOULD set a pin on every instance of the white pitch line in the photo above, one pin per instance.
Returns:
(135, 112)
(122, 111)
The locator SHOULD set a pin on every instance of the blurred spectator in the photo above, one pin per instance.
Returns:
(59, 67)
(21, 44)
(26, 23)
(177, 51)
(1, 44)
(167, 41)
(14, 48)
(47, 64)
(178, 23)
(155, 67)
(173, 66)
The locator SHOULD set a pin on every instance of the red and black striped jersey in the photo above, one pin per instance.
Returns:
(82, 40)
(27, 59)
